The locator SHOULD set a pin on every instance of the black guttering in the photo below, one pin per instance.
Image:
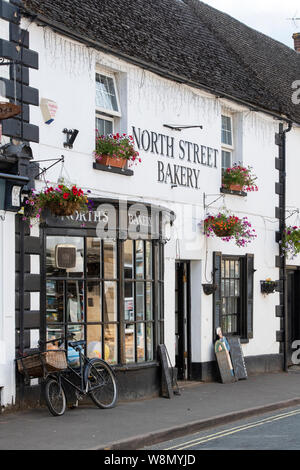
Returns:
(280, 190)
(58, 28)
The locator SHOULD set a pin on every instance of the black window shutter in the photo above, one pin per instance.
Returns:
(249, 284)
(217, 267)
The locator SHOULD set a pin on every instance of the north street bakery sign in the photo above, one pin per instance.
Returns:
(185, 158)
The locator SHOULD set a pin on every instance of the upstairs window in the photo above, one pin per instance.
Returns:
(107, 103)
(227, 142)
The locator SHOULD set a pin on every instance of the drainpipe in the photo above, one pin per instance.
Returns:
(281, 142)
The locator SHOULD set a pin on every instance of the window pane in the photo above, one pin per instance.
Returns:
(106, 93)
(141, 357)
(232, 269)
(227, 264)
(237, 269)
(75, 302)
(93, 251)
(54, 332)
(149, 341)
(129, 343)
(103, 126)
(149, 260)
(94, 341)
(149, 309)
(129, 302)
(64, 256)
(77, 331)
(110, 302)
(110, 259)
(139, 259)
(140, 301)
(111, 344)
(55, 301)
(226, 160)
(73, 356)
(93, 305)
(128, 259)
(226, 130)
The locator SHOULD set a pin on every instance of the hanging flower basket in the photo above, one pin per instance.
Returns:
(228, 227)
(239, 178)
(115, 150)
(291, 242)
(60, 201)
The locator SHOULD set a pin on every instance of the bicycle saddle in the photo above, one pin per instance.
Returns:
(75, 344)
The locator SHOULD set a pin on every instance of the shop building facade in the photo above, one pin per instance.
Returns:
(141, 257)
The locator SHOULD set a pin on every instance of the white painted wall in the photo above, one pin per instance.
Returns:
(67, 76)
(7, 280)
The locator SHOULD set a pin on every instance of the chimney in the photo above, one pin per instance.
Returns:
(296, 38)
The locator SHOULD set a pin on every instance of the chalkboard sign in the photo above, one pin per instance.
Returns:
(166, 379)
(224, 363)
(237, 358)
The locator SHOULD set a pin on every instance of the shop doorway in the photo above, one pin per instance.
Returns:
(183, 320)
(293, 288)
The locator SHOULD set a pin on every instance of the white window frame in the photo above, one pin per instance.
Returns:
(105, 117)
(101, 110)
(227, 147)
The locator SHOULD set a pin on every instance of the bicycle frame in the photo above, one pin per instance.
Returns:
(84, 361)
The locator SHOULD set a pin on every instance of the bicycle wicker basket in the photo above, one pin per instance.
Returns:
(50, 361)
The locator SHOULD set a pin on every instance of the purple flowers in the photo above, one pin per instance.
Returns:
(291, 242)
(228, 227)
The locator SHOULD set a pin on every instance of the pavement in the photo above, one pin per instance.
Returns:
(138, 424)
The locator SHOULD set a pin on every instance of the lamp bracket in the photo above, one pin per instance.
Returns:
(56, 160)
(180, 128)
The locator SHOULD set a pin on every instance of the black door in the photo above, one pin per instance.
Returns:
(182, 320)
(293, 288)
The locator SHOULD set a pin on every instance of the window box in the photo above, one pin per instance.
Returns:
(268, 287)
(238, 178)
(233, 192)
(115, 162)
(115, 150)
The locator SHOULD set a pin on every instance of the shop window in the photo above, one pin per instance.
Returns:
(84, 297)
(233, 299)
(138, 301)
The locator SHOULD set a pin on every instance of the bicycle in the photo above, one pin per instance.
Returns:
(94, 378)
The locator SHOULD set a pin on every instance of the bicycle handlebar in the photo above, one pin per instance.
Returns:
(57, 340)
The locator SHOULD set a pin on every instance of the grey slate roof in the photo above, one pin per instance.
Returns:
(186, 39)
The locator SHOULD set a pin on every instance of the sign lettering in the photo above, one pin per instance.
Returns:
(185, 151)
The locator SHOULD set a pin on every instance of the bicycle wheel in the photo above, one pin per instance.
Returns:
(55, 397)
(102, 384)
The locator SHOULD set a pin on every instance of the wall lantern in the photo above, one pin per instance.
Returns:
(11, 187)
(71, 137)
(168, 219)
